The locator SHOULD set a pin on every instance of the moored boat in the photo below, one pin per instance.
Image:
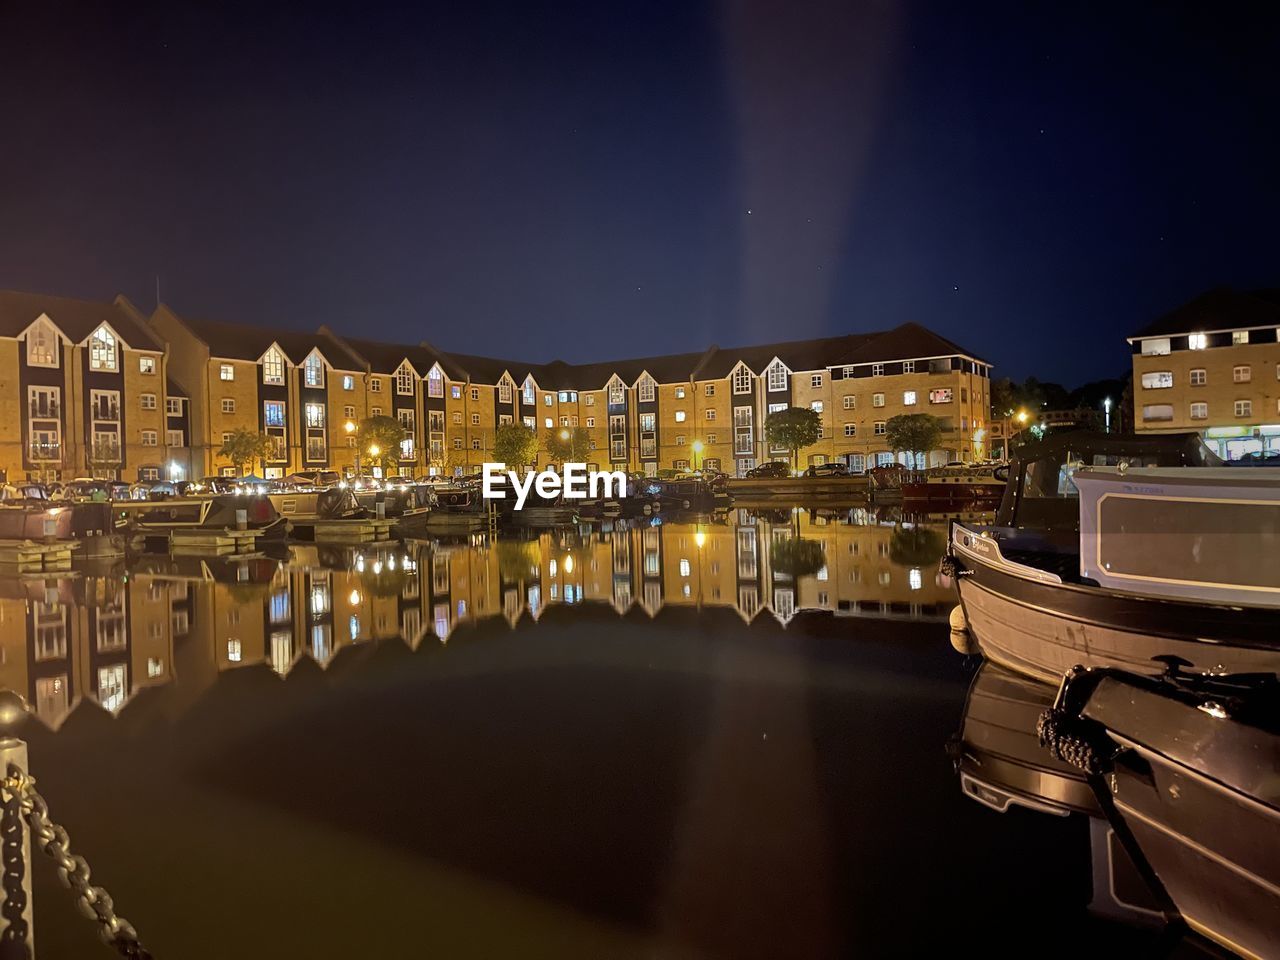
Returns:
(1036, 601)
(1186, 769)
(955, 485)
(218, 512)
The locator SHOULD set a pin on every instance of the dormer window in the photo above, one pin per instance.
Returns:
(272, 367)
(742, 380)
(102, 350)
(404, 381)
(42, 346)
(530, 392)
(646, 389)
(504, 391)
(617, 392)
(777, 376)
(313, 371)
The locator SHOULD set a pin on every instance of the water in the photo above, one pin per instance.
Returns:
(724, 739)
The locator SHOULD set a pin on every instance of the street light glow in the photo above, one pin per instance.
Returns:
(350, 426)
(697, 446)
(374, 449)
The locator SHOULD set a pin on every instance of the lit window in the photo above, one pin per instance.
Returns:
(233, 651)
(1239, 336)
(504, 391)
(941, 395)
(348, 382)
(1157, 411)
(908, 398)
(1242, 373)
(591, 421)
(273, 366)
(314, 414)
(155, 666)
(879, 429)
(228, 405)
(1157, 347)
(146, 364)
(313, 371)
(1197, 341)
(646, 390)
(816, 406)
(102, 350)
(1244, 408)
(404, 381)
(1198, 377)
(617, 392)
(42, 346)
(877, 399)
(679, 416)
(547, 400)
(1199, 411)
(273, 413)
(679, 393)
(227, 372)
(1157, 380)
(549, 423)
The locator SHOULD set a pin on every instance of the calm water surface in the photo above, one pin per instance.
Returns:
(724, 739)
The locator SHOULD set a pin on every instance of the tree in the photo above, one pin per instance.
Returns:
(515, 445)
(793, 428)
(916, 546)
(568, 445)
(797, 557)
(914, 433)
(244, 446)
(380, 439)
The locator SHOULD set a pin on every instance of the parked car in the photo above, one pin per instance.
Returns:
(827, 470)
(773, 470)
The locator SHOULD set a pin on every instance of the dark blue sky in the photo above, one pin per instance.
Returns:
(604, 179)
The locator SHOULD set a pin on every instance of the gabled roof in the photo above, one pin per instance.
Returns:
(246, 341)
(1218, 309)
(380, 357)
(172, 388)
(75, 318)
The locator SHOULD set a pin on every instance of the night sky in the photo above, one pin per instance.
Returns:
(603, 179)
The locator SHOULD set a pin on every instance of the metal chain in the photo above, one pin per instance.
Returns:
(93, 902)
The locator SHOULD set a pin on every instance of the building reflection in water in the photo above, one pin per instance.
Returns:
(104, 635)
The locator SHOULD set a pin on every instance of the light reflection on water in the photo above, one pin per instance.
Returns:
(105, 633)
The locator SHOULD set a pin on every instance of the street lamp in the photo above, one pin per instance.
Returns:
(352, 428)
(1106, 405)
(564, 435)
(697, 453)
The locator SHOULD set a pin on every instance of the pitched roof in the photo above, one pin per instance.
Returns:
(1218, 309)
(76, 318)
(246, 341)
(382, 357)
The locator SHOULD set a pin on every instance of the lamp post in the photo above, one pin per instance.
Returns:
(697, 454)
(1106, 406)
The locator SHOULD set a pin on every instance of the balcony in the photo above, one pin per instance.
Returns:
(316, 451)
(44, 409)
(105, 452)
(45, 452)
(109, 412)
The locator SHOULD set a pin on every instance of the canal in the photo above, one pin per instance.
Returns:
(726, 739)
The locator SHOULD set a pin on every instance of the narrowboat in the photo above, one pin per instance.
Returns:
(1166, 562)
(1186, 768)
(946, 486)
(691, 493)
(149, 518)
(35, 520)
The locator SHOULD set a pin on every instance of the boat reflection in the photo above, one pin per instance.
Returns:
(108, 632)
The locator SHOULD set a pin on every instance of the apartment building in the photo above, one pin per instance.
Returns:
(1213, 366)
(82, 390)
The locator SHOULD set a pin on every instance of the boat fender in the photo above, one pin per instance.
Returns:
(1076, 740)
(950, 566)
(684, 504)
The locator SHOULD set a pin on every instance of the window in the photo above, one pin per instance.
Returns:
(404, 381)
(877, 399)
(375, 411)
(742, 380)
(475, 443)
(228, 405)
(1244, 408)
(879, 429)
(174, 438)
(941, 395)
(42, 346)
(273, 413)
(147, 365)
(1197, 341)
(348, 412)
(457, 416)
(680, 416)
(591, 421)
(679, 393)
(1242, 373)
(234, 652)
(908, 398)
(272, 366)
(617, 392)
(850, 402)
(711, 438)
(475, 393)
(590, 400)
(1198, 377)
(877, 369)
(102, 350)
(1199, 411)
(149, 473)
(1239, 336)
(848, 373)
(908, 366)
(504, 419)
(850, 429)
(148, 401)
(225, 438)
(457, 443)
(313, 371)
(711, 414)
(375, 385)
(564, 421)
(646, 389)
(549, 423)
(1157, 380)
(314, 413)
(475, 419)
(504, 391)
(815, 381)
(530, 394)
(348, 382)
(173, 406)
(1157, 411)
(816, 406)
(113, 687)
(226, 372)
(680, 440)
(1157, 347)
(150, 438)
(777, 377)
(709, 390)
(547, 400)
